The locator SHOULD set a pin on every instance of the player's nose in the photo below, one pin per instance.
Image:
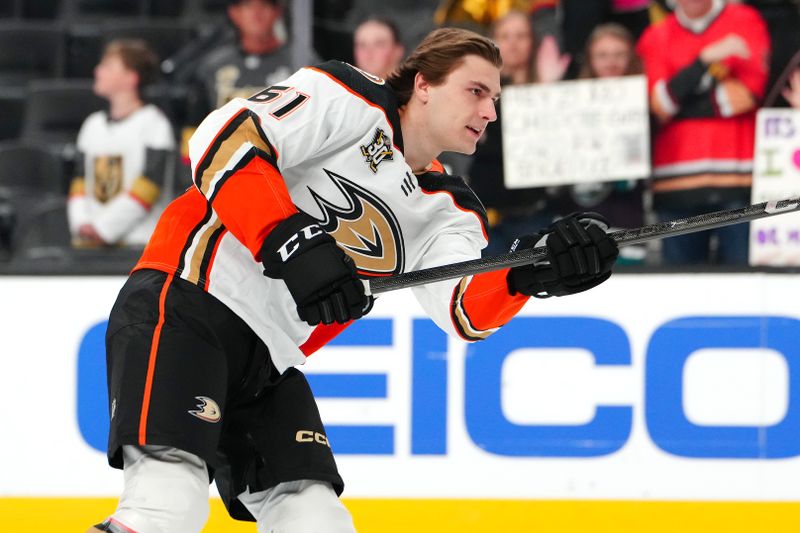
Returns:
(488, 111)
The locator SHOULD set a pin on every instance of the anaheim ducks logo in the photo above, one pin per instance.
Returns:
(207, 409)
(365, 228)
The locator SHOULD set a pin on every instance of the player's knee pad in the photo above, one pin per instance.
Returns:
(166, 491)
(305, 506)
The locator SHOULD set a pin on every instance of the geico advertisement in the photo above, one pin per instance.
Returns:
(676, 387)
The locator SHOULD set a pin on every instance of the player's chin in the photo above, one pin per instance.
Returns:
(472, 146)
(466, 147)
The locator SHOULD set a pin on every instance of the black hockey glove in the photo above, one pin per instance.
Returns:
(321, 278)
(580, 256)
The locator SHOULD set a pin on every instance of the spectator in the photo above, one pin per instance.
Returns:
(514, 37)
(609, 54)
(580, 17)
(782, 18)
(377, 47)
(707, 69)
(256, 59)
(792, 91)
(786, 90)
(512, 212)
(124, 154)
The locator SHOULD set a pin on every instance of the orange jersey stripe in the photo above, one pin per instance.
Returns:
(151, 365)
(481, 305)
(252, 201)
(166, 246)
(321, 336)
(488, 302)
(435, 166)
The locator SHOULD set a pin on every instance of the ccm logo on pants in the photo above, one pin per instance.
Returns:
(305, 435)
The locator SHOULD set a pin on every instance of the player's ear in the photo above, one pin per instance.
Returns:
(421, 88)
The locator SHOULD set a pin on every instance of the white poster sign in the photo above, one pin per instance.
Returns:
(571, 132)
(775, 241)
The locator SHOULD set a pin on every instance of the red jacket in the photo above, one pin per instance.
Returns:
(707, 131)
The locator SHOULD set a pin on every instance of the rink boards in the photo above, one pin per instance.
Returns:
(650, 402)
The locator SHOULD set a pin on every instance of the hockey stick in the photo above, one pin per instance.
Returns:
(624, 238)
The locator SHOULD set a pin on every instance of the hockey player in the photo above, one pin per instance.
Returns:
(301, 191)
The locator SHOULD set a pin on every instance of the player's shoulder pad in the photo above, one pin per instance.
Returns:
(464, 197)
(374, 90)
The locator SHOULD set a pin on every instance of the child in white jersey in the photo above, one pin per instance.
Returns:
(125, 154)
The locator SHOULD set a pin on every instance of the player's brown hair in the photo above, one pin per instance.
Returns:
(136, 55)
(437, 55)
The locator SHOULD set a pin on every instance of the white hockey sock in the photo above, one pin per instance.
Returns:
(166, 491)
(304, 506)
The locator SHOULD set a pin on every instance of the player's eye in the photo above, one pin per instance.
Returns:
(476, 91)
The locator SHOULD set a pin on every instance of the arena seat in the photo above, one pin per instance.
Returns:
(32, 168)
(30, 50)
(195, 8)
(86, 40)
(55, 111)
(8, 8)
(104, 8)
(42, 234)
(40, 9)
(159, 8)
(12, 106)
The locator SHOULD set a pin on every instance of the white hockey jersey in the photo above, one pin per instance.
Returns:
(123, 168)
(326, 141)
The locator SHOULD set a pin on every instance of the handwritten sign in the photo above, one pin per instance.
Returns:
(575, 132)
(775, 241)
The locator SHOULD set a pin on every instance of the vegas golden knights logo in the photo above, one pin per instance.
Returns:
(107, 177)
(379, 150)
(365, 228)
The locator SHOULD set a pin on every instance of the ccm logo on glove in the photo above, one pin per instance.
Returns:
(321, 278)
(293, 244)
